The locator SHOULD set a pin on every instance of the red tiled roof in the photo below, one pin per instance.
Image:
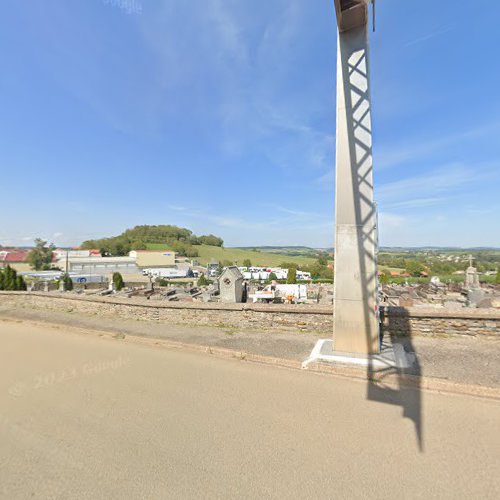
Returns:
(19, 256)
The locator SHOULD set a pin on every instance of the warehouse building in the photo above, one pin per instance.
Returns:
(153, 258)
(131, 264)
(100, 265)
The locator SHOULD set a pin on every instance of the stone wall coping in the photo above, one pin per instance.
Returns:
(411, 312)
(422, 312)
(206, 306)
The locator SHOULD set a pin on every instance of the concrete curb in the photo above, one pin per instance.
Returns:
(393, 380)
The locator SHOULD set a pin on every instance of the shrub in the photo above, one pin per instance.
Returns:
(20, 283)
(202, 281)
(292, 276)
(118, 281)
(68, 282)
(9, 280)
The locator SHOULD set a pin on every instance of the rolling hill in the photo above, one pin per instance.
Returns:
(238, 255)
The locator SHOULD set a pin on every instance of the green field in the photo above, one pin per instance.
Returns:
(237, 255)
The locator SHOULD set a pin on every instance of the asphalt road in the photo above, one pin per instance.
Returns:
(89, 417)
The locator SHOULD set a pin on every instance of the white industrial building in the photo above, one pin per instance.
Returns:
(101, 265)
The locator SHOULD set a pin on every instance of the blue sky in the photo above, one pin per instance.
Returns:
(219, 115)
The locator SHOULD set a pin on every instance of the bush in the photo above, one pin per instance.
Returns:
(68, 282)
(384, 278)
(202, 281)
(20, 284)
(9, 280)
(292, 276)
(118, 281)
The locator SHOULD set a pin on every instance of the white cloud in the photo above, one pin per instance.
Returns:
(418, 148)
(428, 36)
(391, 220)
(441, 180)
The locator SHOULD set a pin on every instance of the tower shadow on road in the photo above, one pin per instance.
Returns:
(399, 385)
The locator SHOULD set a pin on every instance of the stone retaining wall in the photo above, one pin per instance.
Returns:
(269, 317)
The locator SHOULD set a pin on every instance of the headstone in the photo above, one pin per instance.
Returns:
(471, 276)
(474, 297)
(231, 285)
(406, 301)
(486, 303)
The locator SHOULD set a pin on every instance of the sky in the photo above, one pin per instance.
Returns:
(219, 116)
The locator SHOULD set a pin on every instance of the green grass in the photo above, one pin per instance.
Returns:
(207, 253)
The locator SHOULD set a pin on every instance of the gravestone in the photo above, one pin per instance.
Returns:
(471, 276)
(231, 285)
(474, 297)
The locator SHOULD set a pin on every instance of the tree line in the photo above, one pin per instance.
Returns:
(177, 239)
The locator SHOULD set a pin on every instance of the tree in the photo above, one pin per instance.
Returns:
(383, 277)
(118, 281)
(414, 268)
(9, 280)
(319, 270)
(20, 284)
(202, 281)
(497, 278)
(292, 276)
(68, 282)
(40, 257)
(211, 240)
(247, 263)
(323, 260)
(288, 265)
(273, 277)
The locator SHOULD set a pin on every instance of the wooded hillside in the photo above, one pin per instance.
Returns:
(178, 239)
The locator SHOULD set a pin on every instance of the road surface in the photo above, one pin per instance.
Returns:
(83, 416)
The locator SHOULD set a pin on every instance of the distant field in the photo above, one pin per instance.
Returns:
(207, 253)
